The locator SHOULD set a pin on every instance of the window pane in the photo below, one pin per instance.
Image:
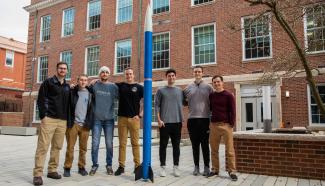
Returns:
(124, 11)
(315, 113)
(204, 45)
(67, 57)
(68, 22)
(46, 28)
(249, 112)
(315, 24)
(92, 60)
(9, 57)
(160, 51)
(123, 55)
(94, 12)
(196, 2)
(43, 68)
(160, 6)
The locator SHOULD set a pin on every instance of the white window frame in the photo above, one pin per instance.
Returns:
(305, 29)
(86, 62)
(243, 39)
(69, 66)
(160, 12)
(38, 67)
(41, 28)
(63, 15)
(215, 44)
(118, 12)
(161, 33)
(309, 106)
(34, 113)
(87, 26)
(13, 58)
(201, 4)
(115, 56)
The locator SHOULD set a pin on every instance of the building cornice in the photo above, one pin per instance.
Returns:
(41, 5)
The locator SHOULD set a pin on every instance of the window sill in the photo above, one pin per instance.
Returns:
(262, 59)
(160, 69)
(202, 4)
(160, 14)
(124, 23)
(316, 53)
(207, 64)
(63, 37)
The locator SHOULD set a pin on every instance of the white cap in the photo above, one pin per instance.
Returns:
(104, 69)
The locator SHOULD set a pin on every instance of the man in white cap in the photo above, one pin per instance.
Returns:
(104, 94)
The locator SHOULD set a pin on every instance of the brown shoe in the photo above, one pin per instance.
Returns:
(54, 175)
(37, 180)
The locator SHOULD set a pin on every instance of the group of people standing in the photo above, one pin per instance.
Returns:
(74, 110)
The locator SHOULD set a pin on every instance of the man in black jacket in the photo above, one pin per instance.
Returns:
(52, 101)
(79, 124)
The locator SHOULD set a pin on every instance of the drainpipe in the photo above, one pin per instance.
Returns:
(139, 40)
(34, 60)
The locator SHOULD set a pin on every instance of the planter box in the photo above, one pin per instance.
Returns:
(19, 131)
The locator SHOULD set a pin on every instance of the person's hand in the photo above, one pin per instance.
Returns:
(72, 85)
(161, 124)
(136, 117)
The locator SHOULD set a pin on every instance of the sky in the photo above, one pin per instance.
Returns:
(14, 19)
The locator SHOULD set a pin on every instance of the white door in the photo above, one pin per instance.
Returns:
(249, 114)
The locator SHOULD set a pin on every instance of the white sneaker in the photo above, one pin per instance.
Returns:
(176, 171)
(163, 171)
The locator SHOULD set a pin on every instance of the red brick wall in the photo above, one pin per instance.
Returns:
(302, 159)
(11, 118)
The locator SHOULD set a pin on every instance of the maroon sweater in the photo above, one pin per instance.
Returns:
(223, 107)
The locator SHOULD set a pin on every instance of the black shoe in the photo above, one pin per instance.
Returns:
(119, 171)
(93, 170)
(37, 180)
(233, 177)
(66, 172)
(212, 174)
(109, 170)
(54, 175)
(135, 169)
(82, 171)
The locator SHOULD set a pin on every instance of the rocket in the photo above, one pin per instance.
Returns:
(145, 171)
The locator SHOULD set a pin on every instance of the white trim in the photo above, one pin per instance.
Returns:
(38, 70)
(160, 12)
(13, 58)
(87, 18)
(161, 33)
(34, 113)
(41, 28)
(309, 106)
(243, 39)
(115, 56)
(215, 44)
(201, 4)
(63, 15)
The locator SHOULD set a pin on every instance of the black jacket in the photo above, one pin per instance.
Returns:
(72, 107)
(53, 99)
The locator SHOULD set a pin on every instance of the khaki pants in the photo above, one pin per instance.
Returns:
(72, 135)
(218, 130)
(124, 125)
(51, 132)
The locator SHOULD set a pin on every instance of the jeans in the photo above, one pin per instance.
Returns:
(108, 127)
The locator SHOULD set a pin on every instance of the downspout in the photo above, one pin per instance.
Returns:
(139, 40)
(32, 68)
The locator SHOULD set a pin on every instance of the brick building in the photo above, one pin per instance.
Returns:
(91, 33)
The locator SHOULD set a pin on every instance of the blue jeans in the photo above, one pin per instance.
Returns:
(108, 127)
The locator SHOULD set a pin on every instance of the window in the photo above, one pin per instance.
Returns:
(123, 55)
(315, 114)
(257, 42)
(45, 28)
(42, 68)
(92, 60)
(124, 11)
(66, 56)
(203, 46)
(315, 28)
(94, 12)
(68, 22)
(115, 110)
(154, 114)
(10, 58)
(36, 118)
(160, 51)
(160, 6)
(197, 2)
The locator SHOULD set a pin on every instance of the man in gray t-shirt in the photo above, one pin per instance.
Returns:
(197, 96)
(168, 105)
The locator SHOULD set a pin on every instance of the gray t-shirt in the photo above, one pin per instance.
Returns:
(168, 103)
(81, 107)
(105, 95)
(197, 96)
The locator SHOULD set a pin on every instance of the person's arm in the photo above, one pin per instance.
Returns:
(185, 94)
(42, 99)
(157, 109)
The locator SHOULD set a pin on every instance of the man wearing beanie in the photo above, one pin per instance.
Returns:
(104, 94)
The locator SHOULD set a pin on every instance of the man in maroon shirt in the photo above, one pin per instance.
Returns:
(222, 105)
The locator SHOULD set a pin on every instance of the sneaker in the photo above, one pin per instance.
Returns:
(37, 180)
(212, 174)
(163, 171)
(54, 175)
(93, 170)
(176, 171)
(82, 171)
(196, 171)
(206, 171)
(109, 170)
(66, 172)
(119, 171)
(233, 176)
